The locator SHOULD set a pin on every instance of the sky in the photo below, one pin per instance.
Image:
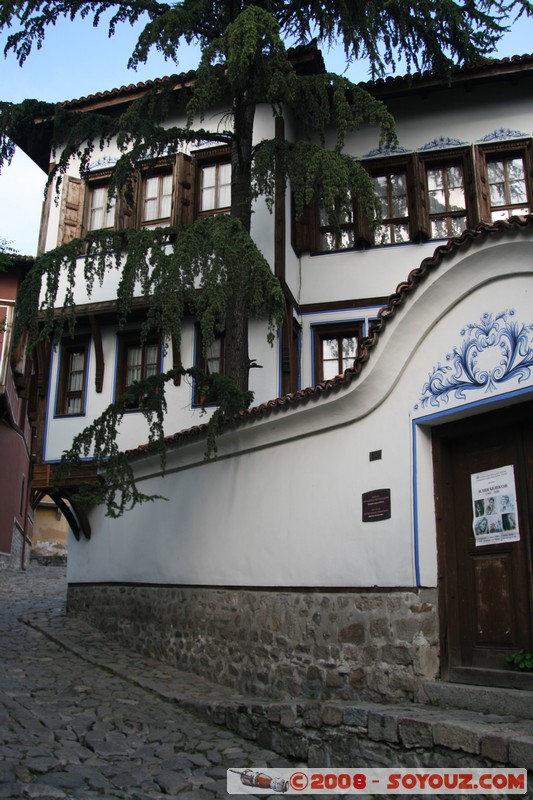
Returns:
(77, 60)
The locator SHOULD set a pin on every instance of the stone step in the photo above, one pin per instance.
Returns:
(483, 699)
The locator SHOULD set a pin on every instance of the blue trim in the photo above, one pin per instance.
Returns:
(416, 539)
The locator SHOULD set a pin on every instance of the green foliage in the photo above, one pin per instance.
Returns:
(118, 489)
(196, 268)
(243, 62)
(521, 661)
(6, 253)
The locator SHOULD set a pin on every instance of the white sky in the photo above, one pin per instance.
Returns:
(78, 60)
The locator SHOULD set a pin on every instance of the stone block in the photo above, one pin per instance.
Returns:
(383, 727)
(521, 752)
(356, 716)
(332, 714)
(495, 745)
(354, 633)
(457, 735)
(416, 732)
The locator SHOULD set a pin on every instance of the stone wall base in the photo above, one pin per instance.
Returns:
(331, 644)
(13, 560)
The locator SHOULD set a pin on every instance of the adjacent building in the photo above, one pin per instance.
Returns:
(16, 429)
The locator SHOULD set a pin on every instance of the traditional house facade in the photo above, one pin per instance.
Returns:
(16, 415)
(369, 528)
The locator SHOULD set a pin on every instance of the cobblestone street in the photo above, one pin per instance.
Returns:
(71, 729)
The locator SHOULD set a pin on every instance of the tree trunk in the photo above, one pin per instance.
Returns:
(237, 360)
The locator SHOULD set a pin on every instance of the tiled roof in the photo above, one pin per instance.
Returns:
(392, 83)
(387, 312)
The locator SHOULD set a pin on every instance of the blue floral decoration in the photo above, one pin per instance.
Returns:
(495, 350)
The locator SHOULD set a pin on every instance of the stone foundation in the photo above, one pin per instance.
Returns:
(13, 560)
(277, 643)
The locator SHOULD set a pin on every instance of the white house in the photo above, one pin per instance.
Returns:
(367, 524)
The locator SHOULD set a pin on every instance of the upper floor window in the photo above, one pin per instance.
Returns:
(508, 187)
(101, 211)
(157, 200)
(72, 378)
(136, 360)
(338, 233)
(215, 188)
(209, 361)
(447, 200)
(391, 190)
(336, 347)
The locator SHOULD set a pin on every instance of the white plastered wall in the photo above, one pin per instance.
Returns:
(282, 505)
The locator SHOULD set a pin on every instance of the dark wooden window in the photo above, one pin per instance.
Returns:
(72, 378)
(209, 362)
(338, 233)
(215, 188)
(335, 348)
(213, 181)
(136, 360)
(391, 189)
(447, 200)
(508, 187)
(156, 204)
(101, 208)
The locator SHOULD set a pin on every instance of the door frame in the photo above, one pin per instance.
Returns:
(441, 433)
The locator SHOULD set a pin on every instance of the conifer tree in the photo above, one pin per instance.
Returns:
(243, 62)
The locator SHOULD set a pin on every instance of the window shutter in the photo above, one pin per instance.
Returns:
(483, 205)
(183, 182)
(528, 161)
(419, 223)
(305, 229)
(71, 212)
(364, 234)
(127, 202)
(474, 216)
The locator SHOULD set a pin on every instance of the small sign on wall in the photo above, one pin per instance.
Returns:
(376, 505)
(494, 505)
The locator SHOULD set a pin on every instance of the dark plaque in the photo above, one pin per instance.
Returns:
(376, 505)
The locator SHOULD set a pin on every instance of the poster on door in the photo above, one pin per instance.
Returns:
(494, 506)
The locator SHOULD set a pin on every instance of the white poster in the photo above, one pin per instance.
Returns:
(494, 505)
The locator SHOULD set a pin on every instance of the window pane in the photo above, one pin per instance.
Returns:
(96, 214)
(207, 188)
(224, 183)
(74, 405)
(399, 196)
(166, 196)
(152, 361)
(133, 365)
(401, 233)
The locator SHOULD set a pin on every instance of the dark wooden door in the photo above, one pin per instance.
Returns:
(485, 591)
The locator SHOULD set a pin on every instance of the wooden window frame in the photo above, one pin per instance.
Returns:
(124, 342)
(498, 151)
(210, 157)
(163, 169)
(200, 363)
(332, 330)
(387, 171)
(64, 393)
(460, 156)
(92, 185)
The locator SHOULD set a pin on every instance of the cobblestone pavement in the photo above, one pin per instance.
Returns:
(70, 728)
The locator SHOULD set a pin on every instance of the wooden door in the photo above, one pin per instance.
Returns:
(485, 585)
